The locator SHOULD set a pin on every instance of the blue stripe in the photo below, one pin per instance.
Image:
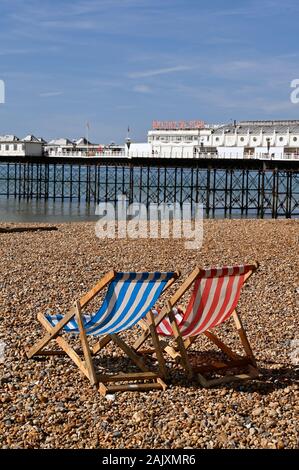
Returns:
(125, 308)
(133, 316)
(118, 300)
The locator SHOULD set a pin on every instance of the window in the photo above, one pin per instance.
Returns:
(6, 147)
(15, 147)
(295, 139)
(254, 139)
(242, 139)
(280, 139)
(217, 139)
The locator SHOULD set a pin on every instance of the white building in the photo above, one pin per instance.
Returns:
(246, 139)
(81, 148)
(258, 139)
(172, 139)
(12, 146)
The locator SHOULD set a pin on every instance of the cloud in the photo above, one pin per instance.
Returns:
(48, 94)
(142, 89)
(161, 71)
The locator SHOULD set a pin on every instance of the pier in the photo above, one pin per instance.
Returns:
(226, 188)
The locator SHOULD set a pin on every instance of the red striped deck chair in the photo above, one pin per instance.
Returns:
(213, 301)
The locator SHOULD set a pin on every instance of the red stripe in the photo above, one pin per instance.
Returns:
(214, 302)
(228, 296)
(203, 301)
(236, 300)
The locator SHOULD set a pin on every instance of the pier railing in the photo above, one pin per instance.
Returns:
(173, 154)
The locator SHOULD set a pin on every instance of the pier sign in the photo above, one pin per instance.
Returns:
(2, 92)
(177, 125)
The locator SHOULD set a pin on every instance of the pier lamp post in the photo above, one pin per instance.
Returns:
(268, 146)
(128, 144)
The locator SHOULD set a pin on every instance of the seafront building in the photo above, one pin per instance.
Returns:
(278, 140)
(244, 139)
(12, 146)
(80, 148)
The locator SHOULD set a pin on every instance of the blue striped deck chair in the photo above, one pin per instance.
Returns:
(129, 299)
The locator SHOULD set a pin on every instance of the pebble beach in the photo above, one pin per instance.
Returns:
(48, 403)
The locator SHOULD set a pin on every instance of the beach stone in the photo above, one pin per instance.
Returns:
(257, 411)
(138, 416)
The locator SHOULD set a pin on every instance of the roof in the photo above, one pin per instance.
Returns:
(259, 127)
(62, 141)
(31, 138)
(82, 141)
(9, 138)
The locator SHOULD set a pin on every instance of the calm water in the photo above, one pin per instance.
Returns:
(13, 210)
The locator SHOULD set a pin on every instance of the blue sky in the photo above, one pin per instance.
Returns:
(116, 63)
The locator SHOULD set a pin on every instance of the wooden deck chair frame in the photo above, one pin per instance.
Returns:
(179, 353)
(86, 365)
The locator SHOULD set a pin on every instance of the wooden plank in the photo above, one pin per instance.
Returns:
(130, 387)
(156, 343)
(162, 383)
(128, 376)
(180, 342)
(85, 346)
(103, 389)
(50, 335)
(172, 352)
(101, 344)
(243, 337)
(97, 288)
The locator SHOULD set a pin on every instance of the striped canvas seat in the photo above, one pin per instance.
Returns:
(215, 296)
(129, 298)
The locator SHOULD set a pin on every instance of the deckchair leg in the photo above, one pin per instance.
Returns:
(243, 337)
(180, 342)
(63, 344)
(34, 350)
(85, 346)
(156, 343)
(156, 382)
